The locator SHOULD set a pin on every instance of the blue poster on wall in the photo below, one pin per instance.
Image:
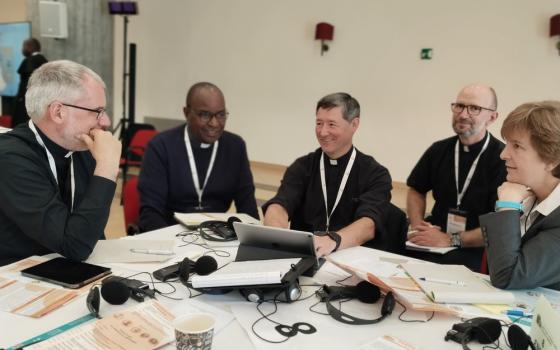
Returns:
(12, 36)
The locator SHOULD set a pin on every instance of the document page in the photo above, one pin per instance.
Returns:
(455, 284)
(144, 327)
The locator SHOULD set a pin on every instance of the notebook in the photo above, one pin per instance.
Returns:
(195, 219)
(423, 248)
(455, 284)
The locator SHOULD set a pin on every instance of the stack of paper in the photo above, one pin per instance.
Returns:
(401, 285)
(247, 273)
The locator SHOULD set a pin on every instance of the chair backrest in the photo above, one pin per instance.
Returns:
(131, 204)
(391, 235)
(6, 121)
(130, 131)
(139, 141)
(484, 263)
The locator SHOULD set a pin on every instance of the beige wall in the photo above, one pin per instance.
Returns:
(262, 54)
(12, 10)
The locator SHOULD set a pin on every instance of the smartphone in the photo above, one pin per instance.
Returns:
(66, 272)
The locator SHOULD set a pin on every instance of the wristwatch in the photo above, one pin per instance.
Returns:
(336, 238)
(455, 239)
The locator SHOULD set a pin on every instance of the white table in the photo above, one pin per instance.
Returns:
(330, 334)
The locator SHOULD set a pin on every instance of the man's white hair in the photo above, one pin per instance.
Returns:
(56, 81)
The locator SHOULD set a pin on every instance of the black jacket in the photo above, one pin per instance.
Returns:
(34, 219)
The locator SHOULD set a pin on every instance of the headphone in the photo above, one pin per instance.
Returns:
(364, 292)
(290, 293)
(223, 230)
(488, 330)
(205, 265)
(116, 291)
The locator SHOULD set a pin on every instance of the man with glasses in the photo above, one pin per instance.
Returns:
(337, 192)
(196, 167)
(463, 173)
(59, 169)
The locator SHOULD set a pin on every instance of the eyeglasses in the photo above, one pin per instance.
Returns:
(473, 110)
(99, 110)
(206, 116)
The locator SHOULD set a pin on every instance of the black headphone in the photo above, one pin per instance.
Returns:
(116, 291)
(363, 291)
(224, 230)
(487, 330)
(205, 265)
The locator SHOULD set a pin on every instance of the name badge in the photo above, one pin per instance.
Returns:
(456, 221)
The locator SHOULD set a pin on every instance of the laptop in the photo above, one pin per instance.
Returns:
(257, 242)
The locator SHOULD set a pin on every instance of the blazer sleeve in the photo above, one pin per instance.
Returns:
(515, 263)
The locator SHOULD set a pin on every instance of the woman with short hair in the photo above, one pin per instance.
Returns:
(523, 235)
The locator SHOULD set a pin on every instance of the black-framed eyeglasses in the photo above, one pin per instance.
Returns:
(206, 116)
(99, 110)
(473, 110)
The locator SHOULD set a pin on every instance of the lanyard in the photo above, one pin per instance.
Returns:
(340, 188)
(52, 164)
(470, 174)
(194, 172)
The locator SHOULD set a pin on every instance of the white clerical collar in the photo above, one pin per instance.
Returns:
(465, 148)
(333, 161)
(205, 145)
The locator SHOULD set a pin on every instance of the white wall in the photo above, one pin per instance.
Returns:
(263, 55)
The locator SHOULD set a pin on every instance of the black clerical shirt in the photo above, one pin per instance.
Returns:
(62, 162)
(367, 192)
(35, 218)
(435, 172)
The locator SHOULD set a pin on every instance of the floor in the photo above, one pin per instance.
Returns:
(267, 179)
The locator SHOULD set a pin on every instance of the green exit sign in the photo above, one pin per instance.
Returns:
(426, 54)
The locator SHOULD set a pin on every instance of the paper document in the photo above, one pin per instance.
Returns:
(246, 273)
(31, 299)
(131, 250)
(144, 327)
(455, 284)
(195, 219)
(423, 248)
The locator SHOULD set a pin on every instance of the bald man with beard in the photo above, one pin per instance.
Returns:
(463, 173)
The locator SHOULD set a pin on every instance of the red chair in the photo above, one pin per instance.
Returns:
(135, 151)
(484, 263)
(131, 206)
(6, 121)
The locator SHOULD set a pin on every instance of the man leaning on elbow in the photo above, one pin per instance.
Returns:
(59, 170)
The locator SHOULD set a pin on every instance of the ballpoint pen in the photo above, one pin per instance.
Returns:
(442, 281)
(153, 251)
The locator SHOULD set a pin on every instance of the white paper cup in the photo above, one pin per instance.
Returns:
(194, 331)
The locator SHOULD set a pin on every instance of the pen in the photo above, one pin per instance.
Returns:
(518, 313)
(449, 282)
(153, 251)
